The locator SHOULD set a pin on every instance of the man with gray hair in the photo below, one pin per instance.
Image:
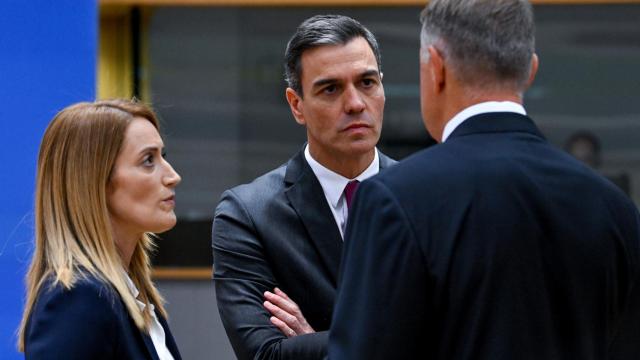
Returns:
(492, 244)
(277, 242)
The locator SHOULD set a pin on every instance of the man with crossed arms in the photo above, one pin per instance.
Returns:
(277, 242)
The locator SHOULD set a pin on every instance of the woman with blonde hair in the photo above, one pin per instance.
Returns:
(103, 187)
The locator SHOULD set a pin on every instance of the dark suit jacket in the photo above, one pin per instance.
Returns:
(276, 231)
(492, 245)
(90, 321)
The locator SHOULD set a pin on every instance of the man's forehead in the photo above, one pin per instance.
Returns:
(357, 44)
(354, 56)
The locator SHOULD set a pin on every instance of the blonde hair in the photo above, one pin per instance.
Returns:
(73, 236)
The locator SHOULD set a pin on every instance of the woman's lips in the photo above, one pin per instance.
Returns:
(171, 200)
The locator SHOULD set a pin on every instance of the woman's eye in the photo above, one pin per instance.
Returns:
(148, 160)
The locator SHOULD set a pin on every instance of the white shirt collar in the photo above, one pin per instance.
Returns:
(333, 183)
(156, 332)
(135, 292)
(481, 108)
(132, 287)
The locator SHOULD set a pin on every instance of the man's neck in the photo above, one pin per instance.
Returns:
(349, 167)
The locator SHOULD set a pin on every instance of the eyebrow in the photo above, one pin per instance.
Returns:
(327, 81)
(150, 148)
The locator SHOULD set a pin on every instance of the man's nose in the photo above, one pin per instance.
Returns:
(353, 102)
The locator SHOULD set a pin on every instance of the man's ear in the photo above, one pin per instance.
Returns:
(436, 69)
(534, 69)
(296, 105)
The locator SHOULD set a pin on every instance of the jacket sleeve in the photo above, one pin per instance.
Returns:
(241, 276)
(381, 290)
(79, 323)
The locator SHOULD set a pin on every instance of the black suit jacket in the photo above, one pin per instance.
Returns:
(492, 245)
(277, 231)
(89, 321)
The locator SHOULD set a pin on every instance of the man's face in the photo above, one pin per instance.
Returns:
(343, 100)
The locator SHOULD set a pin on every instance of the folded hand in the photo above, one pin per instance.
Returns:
(286, 314)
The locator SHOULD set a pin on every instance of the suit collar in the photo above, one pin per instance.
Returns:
(305, 194)
(332, 183)
(496, 122)
(480, 108)
(148, 343)
(169, 341)
(385, 161)
(297, 165)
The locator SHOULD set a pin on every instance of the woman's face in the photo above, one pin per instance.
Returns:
(140, 192)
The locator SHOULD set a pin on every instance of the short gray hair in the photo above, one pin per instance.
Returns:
(488, 42)
(322, 30)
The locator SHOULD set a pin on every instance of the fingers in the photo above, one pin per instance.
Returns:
(281, 314)
(286, 330)
(283, 302)
(286, 314)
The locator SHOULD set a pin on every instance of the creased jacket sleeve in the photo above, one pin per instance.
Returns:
(241, 276)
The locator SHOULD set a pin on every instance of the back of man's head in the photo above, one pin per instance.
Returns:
(489, 43)
(322, 30)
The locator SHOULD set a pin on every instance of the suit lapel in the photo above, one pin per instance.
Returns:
(169, 340)
(307, 198)
(148, 343)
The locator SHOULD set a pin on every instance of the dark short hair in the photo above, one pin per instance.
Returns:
(487, 42)
(322, 30)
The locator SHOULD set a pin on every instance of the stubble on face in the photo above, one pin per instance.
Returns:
(343, 104)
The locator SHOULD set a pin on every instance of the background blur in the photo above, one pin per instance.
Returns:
(213, 71)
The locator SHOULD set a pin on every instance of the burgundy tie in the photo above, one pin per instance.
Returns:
(350, 190)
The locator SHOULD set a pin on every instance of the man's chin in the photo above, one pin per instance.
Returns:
(362, 147)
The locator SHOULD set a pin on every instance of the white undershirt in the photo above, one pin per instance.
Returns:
(333, 186)
(481, 108)
(156, 332)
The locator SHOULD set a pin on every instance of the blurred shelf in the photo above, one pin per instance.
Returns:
(180, 273)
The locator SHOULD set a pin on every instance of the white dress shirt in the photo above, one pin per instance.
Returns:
(481, 108)
(156, 331)
(333, 186)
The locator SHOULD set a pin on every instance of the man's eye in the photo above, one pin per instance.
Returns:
(368, 82)
(330, 89)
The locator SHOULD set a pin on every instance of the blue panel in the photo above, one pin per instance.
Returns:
(47, 61)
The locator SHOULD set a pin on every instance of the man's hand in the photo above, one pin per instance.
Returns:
(286, 314)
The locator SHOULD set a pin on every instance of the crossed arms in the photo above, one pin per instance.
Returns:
(261, 321)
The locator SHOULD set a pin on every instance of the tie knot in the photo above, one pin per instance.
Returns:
(350, 190)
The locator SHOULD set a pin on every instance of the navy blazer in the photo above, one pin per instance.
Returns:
(89, 321)
(277, 231)
(492, 245)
